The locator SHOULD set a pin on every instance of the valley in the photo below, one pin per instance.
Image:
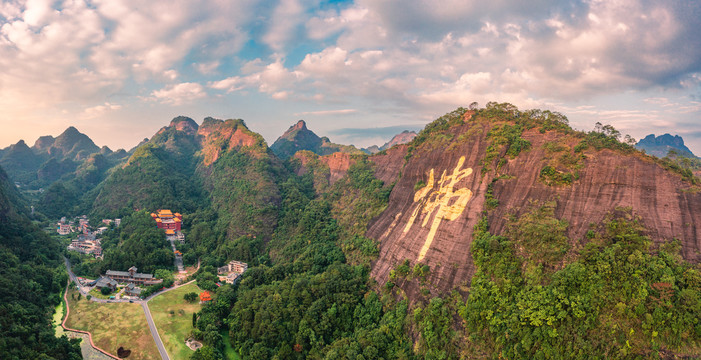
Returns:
(494, 232)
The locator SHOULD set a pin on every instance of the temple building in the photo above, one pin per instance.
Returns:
(166, 220)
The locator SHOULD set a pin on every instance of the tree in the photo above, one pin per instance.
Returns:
(105, 290)
(194, 317)
(190, 297)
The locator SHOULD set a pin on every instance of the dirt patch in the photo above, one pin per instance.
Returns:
(193, 344)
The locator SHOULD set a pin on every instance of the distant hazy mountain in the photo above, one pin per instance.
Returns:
(298, 137)
(50, 159)
(661, 145)
(71, 144)
(20, 162)
(401, 138)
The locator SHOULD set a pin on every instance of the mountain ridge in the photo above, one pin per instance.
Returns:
(661, 145)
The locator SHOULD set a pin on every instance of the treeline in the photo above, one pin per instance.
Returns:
(31, 281)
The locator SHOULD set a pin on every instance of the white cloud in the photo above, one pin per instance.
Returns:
(180, 93)
(286, 17)
(207, 68)
(99, 110)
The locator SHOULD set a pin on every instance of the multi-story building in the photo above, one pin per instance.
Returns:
(132, 276)
(232, 271)
(233, 266)
(166, 220)
(63, 228)
(86, 245)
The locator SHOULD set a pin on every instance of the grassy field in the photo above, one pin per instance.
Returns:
(95, 292)
(173, 317)
(113, 325)
(229, 352)
(59, 312)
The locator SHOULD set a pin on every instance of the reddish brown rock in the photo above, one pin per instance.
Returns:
(666, 205)
(335, 166)
(217, 135)
(389, 164)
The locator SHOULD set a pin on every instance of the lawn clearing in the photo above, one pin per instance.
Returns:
(113, 325)
(229, 352)
(174, 327)
(59, 313)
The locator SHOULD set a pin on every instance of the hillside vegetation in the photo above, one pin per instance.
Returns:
(30, 285)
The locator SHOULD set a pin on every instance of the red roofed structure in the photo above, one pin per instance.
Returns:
(205, 296)
(166, 220)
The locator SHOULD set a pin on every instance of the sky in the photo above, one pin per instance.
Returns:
(356, 71)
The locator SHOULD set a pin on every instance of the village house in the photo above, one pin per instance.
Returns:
(86, 244)
(231, 272)
(132, 290)
(63, 228)
(105, 282)
(233, 266)
(132, 276)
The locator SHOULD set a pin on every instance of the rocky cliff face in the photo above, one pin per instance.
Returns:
(332, 167)
(444, 185)
(218, 135)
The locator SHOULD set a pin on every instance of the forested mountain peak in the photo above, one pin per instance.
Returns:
(73, 145)
(299, 137)
(184, 123)
(218, 136)
(20, 161)
(43, 143)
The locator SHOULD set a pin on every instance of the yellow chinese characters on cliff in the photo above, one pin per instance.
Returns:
(443, 199)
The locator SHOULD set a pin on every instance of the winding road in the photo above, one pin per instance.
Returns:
(144, 305)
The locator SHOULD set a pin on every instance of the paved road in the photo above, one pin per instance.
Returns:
(154, 331)
(144, 305)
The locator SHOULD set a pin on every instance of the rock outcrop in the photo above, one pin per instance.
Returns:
(441, 195)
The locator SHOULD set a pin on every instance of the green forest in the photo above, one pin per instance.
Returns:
(32, 277)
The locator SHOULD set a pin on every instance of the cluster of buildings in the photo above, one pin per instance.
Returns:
(86, 244)
(231, 272)
(65, 227)
(132, 278)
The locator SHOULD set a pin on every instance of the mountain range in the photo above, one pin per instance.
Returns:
(491, 232)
